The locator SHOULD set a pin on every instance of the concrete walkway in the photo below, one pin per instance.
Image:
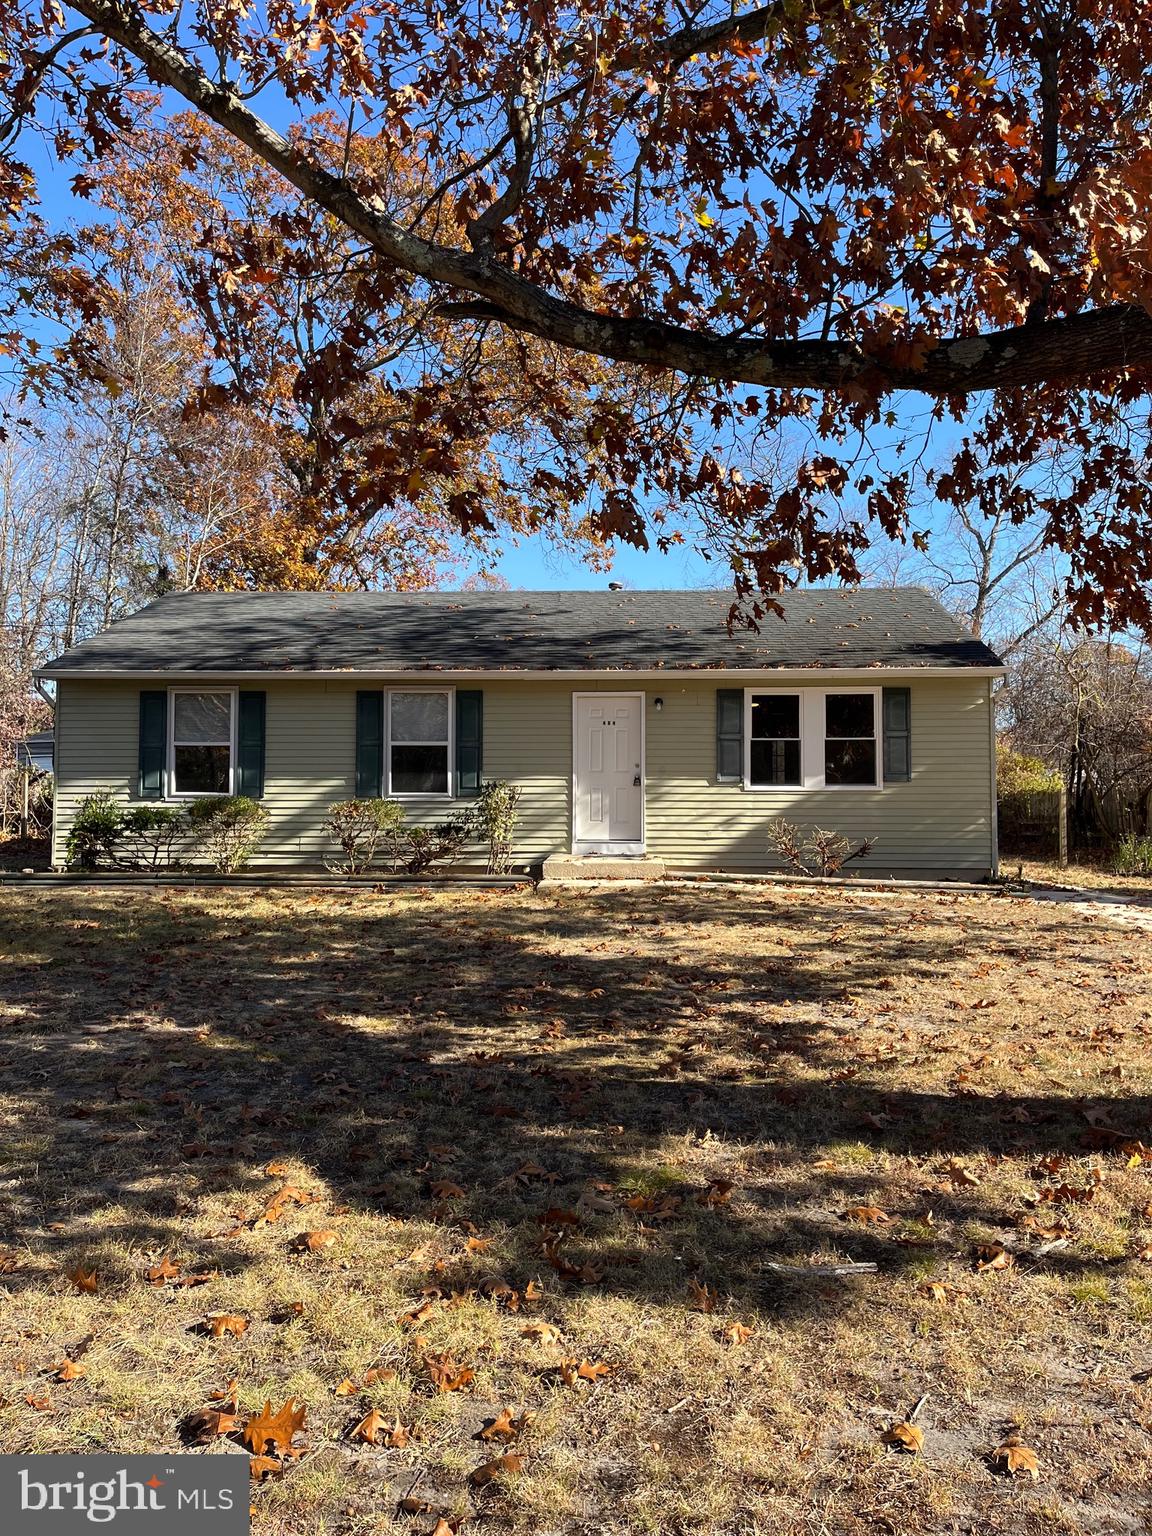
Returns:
(1107, 906)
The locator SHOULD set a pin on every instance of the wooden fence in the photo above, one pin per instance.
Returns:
(1034, 824)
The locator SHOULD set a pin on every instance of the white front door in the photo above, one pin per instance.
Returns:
(609, 773)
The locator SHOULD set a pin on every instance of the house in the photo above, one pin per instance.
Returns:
(634, 721)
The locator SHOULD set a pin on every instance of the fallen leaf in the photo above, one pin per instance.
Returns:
(543, 1333)
(345, 1388)
(159, 1273)
(503, 1466)
(444, 1189)
(220, 1323)
(69, 1370)
(957, 1174)
(374, 1429)
(369, 1427)
(735, 1333)
(279, 1428)
(84, 1279)
(994, 1256)
(229, 1395)
(1034, 1224)
(281, 1203)
(719, 1192)
(261, 1467)
(1018, 1457)
(555, 1216)
(703, 1297)
(504, 1426)
(1069, 1194)
(905, 1436)
(312, 1242)
(446, 1375)
(207, 1425)
(865, 1215)
(414, 1318)
(935, 1289)
(572, 1371)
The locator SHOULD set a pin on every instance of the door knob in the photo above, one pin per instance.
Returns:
(636, 782)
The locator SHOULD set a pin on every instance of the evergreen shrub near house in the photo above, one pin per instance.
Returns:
(95, 828)
(227, 829)
(362, 829)
(149, 836)
(495, 815)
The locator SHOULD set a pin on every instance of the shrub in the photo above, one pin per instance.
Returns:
(820, 853)
(1018, 774)
(495, 821)
(359, 827)
(94, 831)
(228, 829)
(1132, 855)
(148, 834)
(419, 848)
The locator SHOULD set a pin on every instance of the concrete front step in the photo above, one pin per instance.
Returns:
(567, 866)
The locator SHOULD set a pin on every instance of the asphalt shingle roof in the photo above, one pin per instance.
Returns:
(522, 632)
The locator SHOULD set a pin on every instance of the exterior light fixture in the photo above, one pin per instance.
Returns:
(658, 704)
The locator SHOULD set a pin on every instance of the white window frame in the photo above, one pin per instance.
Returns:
(171, 792)
(812, 739)
(386, 775)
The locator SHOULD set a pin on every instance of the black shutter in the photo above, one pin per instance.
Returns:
(369, 743)
(897, 735)
(153, 744)
(250, 745)
(469, 740)
(729, 735)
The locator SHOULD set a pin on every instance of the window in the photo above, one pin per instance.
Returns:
(811, 738)
(775, 739)
(202, 745)
(849, 738)
(419, 742)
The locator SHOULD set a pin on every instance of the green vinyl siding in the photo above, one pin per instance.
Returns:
(938, 822)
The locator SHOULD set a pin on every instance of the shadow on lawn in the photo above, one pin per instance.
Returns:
(492, 1050)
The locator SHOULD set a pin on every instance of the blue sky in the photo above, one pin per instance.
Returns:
(536, 564)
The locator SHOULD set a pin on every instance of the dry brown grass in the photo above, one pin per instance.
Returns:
(948, 1060)
(1089, 875)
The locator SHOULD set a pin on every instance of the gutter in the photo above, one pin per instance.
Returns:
(510, 674)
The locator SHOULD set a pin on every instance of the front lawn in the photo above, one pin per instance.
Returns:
(587, 1158)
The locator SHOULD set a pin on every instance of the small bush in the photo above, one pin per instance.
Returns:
(419, 848)
(495, 821)
(228, 829)
(1132, 855)
(361, 828)
(148, 836)
(820, 853)
(94, 830)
